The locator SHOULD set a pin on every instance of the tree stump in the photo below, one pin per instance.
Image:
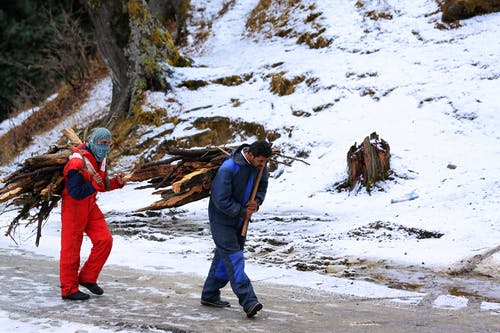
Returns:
(454, 10)
(368, 163)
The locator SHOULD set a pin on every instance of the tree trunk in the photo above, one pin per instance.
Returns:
(134, 46)
(112, 34)
(368, 163)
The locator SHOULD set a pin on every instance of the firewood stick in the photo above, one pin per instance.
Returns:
(290, 157)
(156, 163)
(48, 191)
(22, 183)
(37, 172)
(10, 194)
(175, 200)
(252, 197)
(223, 151)
(71, 135)
(59, 158)
(127, 177)
(178, 187)
(167, 177)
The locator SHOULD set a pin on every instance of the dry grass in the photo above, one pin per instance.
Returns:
(225, 7)
(193, 84)
(258, 17)
(314, 41)
(279, 18)
(373, 14)
(282, 86)
(272, 18)
(233, 80)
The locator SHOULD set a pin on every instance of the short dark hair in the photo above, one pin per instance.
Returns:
(261, 148)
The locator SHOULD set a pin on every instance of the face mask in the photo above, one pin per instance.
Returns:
(99, 151)
(100, 143)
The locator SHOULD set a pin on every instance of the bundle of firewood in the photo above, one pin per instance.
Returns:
(187, 175)
(35, 188)
(183, 178)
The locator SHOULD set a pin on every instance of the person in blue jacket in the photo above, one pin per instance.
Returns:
(229, 205)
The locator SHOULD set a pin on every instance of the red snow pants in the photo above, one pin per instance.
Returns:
(79, 217)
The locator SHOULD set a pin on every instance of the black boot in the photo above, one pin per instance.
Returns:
(253, 309)
(78, 296)
(93, 287)
(216, 304)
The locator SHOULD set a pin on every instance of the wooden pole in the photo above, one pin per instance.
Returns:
(252, 197)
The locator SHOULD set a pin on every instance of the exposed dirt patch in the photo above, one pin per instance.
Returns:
(384, 230)
(218, 131)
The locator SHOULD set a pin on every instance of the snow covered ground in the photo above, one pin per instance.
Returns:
(430, 93)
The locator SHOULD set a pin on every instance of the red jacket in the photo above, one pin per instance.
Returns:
(78, 171)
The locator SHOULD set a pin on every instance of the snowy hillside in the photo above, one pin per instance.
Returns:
(429, 92)
(392, 68)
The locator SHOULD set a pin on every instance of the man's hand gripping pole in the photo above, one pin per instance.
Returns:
(252, 198)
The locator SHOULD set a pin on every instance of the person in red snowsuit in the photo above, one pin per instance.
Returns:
(85, 175)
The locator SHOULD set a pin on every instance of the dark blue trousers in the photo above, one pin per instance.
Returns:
(228, 265)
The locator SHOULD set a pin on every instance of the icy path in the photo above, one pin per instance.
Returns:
(144, 301)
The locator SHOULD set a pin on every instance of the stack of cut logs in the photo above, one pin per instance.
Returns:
(183, 178)
(36, 187)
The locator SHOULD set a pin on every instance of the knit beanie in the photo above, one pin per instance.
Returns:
(100, 150)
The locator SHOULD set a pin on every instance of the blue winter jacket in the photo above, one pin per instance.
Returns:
(231, 189)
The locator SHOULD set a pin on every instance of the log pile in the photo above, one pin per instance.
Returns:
(186, 176)
(183, 178)
(35, 188)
